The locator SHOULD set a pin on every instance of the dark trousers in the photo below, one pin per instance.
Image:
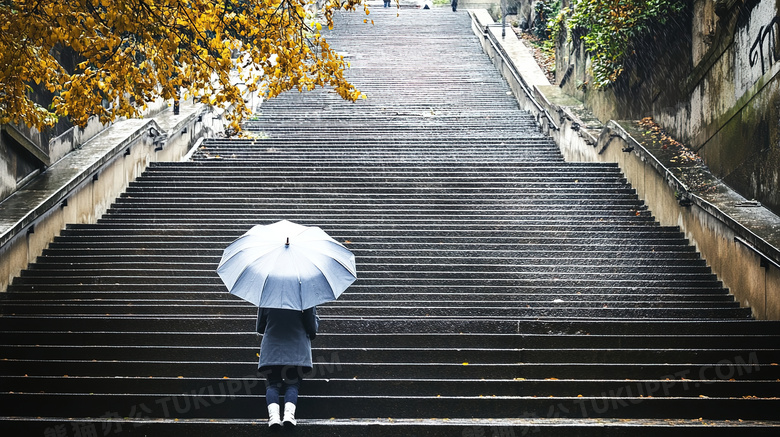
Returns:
(282, 379)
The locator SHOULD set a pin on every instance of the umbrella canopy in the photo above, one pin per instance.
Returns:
(287, 265)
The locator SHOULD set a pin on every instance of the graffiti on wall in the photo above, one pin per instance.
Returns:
(756, 49)
(765, 49)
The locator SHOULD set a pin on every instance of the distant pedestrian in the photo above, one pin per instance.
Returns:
(285, 357)
(454, 4)
(427, 4)
(387, 3)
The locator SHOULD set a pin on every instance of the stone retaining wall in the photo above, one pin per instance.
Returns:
(739, 243)
(81, 186)
(711, 79)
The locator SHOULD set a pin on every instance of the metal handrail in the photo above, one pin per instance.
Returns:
(513, 70)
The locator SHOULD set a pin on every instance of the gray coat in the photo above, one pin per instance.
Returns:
(287, 336)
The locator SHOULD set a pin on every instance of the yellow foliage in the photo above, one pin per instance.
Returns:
(110, 58)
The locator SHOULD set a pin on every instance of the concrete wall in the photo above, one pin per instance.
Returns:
(85, 200)
(523, 12)
(731, 108)
(744, 258)
(18, 165)
(704, 224)
(711, 80)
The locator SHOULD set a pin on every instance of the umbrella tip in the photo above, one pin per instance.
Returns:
(288, 242)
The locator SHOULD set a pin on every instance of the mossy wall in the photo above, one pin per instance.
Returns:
(745, 151)
(710, 78)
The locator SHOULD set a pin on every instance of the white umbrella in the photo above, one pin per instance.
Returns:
(287, 265)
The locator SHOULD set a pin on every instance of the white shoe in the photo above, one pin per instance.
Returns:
(289, 415)
(274, 421)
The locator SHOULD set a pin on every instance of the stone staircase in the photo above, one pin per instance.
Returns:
(501, 291)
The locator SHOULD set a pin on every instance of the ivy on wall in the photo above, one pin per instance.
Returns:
(610, 29)
(544, 12)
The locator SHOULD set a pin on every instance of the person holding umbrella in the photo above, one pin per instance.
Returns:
(285, 357)
(286, 270)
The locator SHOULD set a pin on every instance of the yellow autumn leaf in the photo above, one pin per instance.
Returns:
(133, 56)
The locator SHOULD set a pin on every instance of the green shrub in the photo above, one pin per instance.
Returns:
(611, 28)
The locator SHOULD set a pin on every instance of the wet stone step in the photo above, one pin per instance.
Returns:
(642, 249)
(469, 231)
(140, 281)
(66, 257)
(431, 266)
(177, 215)
(390, 427)
(574, 205)
(303, 168)
(487, 210)
(536, 313)
(307, 212)
(400, 143)
(325, 407)
(541, 157)
(358, 340)
(396, 186)
(59, 260)
(638, 244)
(424, 355)
(620, 218)
(388, 325)
(544, 311)
(132, 296)
(357, 179)
(738, 369)
(392, 231)
(379, 387)
(636, 281)
(528, 236)
(553, 200)
(548, 198)
(424, 235)
(562, 168)
(153, 260)
(394, 292)
(394, 296)
(390, 309)
(425, 231)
